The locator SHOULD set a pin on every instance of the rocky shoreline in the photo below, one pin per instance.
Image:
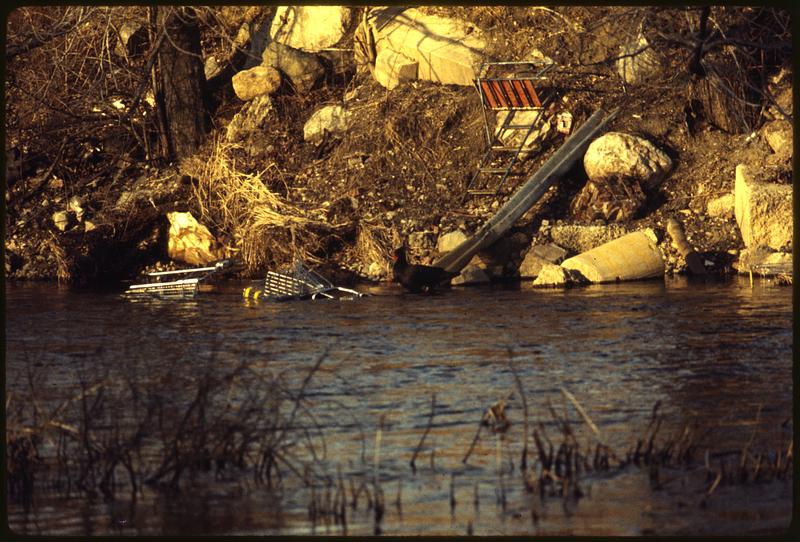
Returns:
(344, 134)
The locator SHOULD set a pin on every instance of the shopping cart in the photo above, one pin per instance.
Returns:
(297, 282)
(189, 284)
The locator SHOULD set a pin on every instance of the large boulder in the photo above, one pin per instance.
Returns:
(619, 155)
(333, 119)
(448, 51)
(303, 69)
(392, 68)
(248, 84)
(250, 119)
(310, 28)
(763, 210)
(191, 242)
(631, 257)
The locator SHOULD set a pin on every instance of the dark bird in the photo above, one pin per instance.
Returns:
(418, 278)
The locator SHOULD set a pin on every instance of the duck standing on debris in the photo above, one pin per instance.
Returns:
(418, 278)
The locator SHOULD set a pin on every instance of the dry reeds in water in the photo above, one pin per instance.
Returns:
(265, 227)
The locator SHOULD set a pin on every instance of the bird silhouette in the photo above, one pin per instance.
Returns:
(418, 278)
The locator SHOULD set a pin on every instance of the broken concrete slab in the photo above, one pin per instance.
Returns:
(764, 261)
(449, 51)
(630, 257)
(779, 137)
(310, 28)
(393, 68)
(763, 210)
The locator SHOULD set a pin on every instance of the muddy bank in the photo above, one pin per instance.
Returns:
(397, 167)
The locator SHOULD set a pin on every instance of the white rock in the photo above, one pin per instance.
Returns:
(763, 210)
(615, 155)
(250, 119)
(779, 137)
(334, 119)
(514, 137)
(310, 28)
(638, 61)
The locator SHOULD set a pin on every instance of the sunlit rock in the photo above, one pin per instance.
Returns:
(763, 210)
(447, 51)
(621, 155)
(450, 240)
(248, 84)
(191, 242)
(310, 28)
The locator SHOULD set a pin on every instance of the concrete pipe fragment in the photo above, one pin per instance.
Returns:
(630, 257)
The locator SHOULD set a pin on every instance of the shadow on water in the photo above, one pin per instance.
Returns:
(303, 417)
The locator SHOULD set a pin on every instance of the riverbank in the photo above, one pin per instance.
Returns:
(397, 170)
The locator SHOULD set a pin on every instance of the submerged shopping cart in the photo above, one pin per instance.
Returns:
(186, 283)
(297, 282)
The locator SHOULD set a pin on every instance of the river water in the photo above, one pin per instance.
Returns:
(714, 354)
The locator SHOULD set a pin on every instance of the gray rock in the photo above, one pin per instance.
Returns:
(304, 70)
(333, 119)
(250, 119)
(471, 274)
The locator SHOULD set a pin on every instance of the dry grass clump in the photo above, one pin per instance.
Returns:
(266, 228)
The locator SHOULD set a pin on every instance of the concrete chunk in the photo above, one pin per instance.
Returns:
(630, 257)
(763, 210)
(392, 68)
(448, 51)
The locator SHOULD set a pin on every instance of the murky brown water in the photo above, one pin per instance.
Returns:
(712, 353)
